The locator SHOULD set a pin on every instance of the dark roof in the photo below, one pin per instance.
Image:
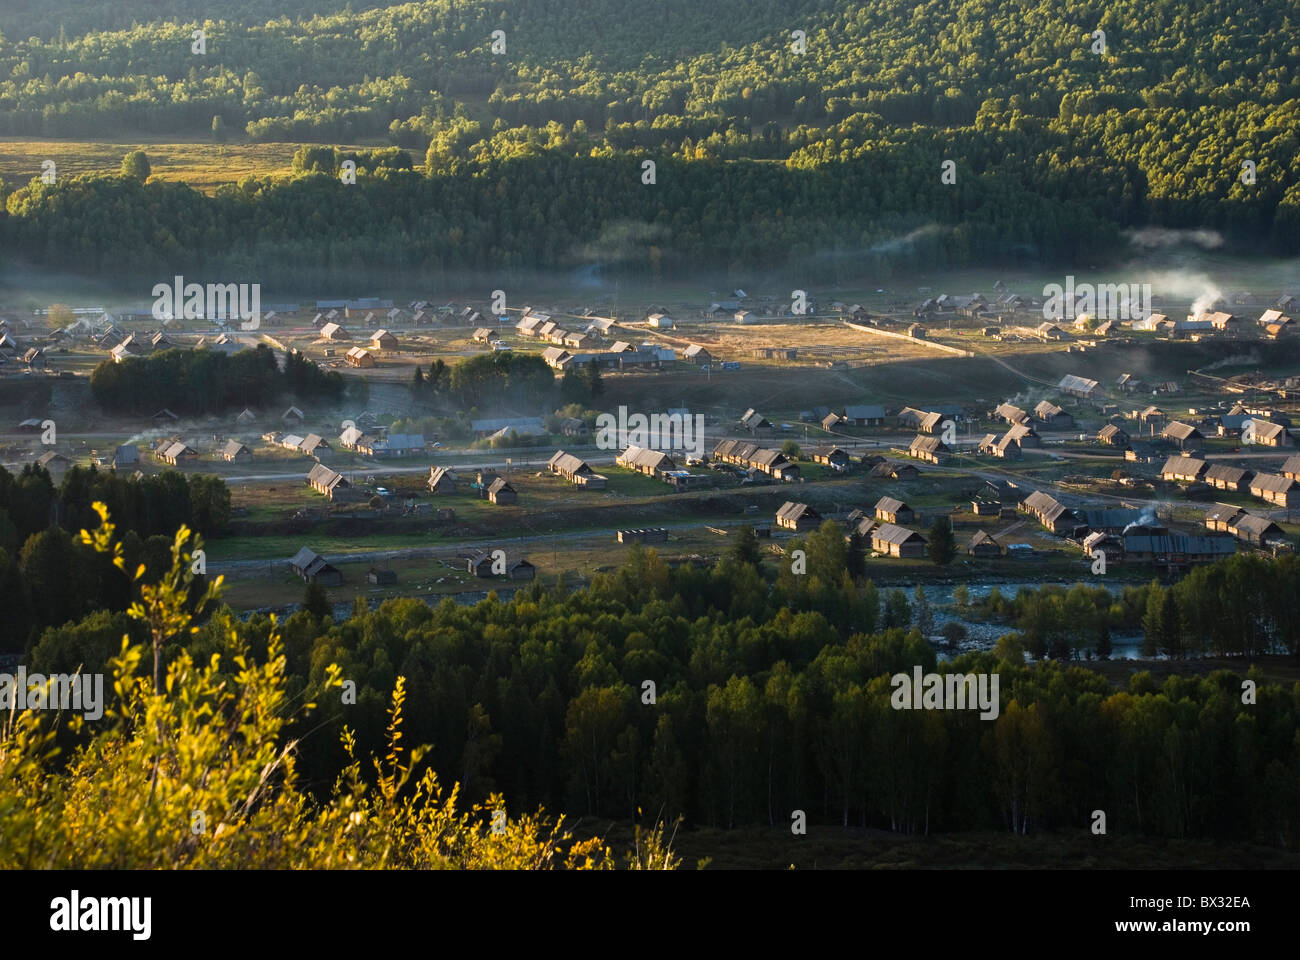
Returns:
(892, 533)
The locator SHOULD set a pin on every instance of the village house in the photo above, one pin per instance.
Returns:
(1222, 517)
(932, 422)
(126, 457)
(651, 463)
(380, 577)
(893, 510)
(56, 463)
(1177, 549)
(865, 415)
(1010, 413)
(755, 423)
(177, 451)
(1023, 434)
(383, 340)
(1049, 512)
(646, 535)
(930, 449)
(798, 517)
(330, 483)
(311, 566)
(1004, 447)
(486, 335)
(501, 492)
(895, 541)
(1183, 469)
(1053, 416)
(332, 331)
(753, 457)
(359, 357)
(1291, 468)
(1080, 387)
(832, 422)
(1276, 489)
(697, 354)
(832, 456)
(894, 470)
(292, 417)
(1113, 436)
(1255, 530)
(1224, 477)
(521, 570)
(576, 471)
(1184, 436)
(392, 445)
(313, 445)
(441, 480)
(983, 546)
(1268, 434)
(1151, 417)
(235, 452)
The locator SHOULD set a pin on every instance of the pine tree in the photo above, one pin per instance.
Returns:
(943, 546)
(1103, 642)
(746, 548)
(922, 612)
(316, 601)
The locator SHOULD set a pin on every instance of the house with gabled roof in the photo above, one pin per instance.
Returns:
(126, 457)
(311, 566)
(177, 451)
(1265, 433)
(441, 480)
(831, 456)
(798, 516)
(651, 463)
(232, 451)
(1010, 413)
(1277, 489)
(575, 470)
(1256, 530)
(1183, 469)
(329, 482)
(1051, 415)
(895, 541)
(1082, 387)
(893, 510)
(1221, 476)
(930, 449)
(501, 492)
(755, 422)
(865, 414)
(984, 546)
(1183, 435)
(1113, 436)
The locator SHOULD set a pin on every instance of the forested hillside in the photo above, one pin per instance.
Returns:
(765, 155)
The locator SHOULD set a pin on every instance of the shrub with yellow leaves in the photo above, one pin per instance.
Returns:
(193, 770)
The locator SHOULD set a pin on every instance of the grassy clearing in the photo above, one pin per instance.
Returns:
(204, 166)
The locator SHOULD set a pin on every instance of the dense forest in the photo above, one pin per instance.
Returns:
(764, 155)
(49, 577)
(207, 381)
(772, 696)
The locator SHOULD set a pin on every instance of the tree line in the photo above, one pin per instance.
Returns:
(208, 381)
(771, 696)
(48, 577)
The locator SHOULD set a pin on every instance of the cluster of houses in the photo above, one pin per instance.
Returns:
(489, 485)
(1281, 489)
(1126, 534)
